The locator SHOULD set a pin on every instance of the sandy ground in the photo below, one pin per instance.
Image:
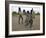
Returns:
(21, 27)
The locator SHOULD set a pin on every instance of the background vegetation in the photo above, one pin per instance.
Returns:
(15, 13)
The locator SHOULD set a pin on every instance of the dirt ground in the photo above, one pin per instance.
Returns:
(21, 27)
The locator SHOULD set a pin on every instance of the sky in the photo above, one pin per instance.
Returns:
(36, 8)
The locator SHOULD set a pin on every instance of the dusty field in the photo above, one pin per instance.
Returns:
(21, 27)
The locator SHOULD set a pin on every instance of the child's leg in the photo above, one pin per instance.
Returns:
(22, 20)
(19, 20)
(31, 23)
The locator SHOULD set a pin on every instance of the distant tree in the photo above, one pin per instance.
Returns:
(14, 12)
(37, 13)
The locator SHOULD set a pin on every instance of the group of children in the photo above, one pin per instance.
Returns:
(28, 20)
